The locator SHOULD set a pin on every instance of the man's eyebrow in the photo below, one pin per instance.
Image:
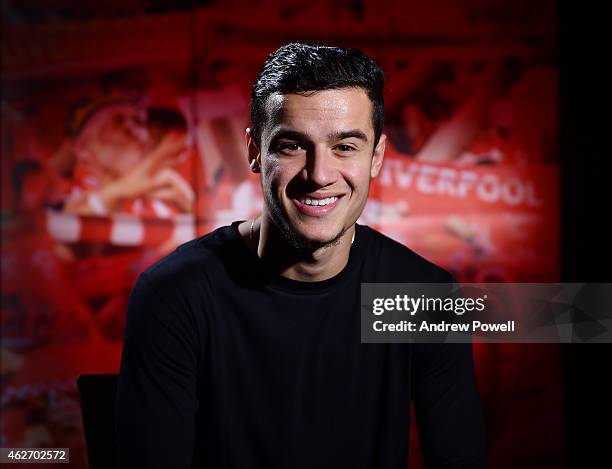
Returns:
(298, 136)
(289, 135)
(354, 133)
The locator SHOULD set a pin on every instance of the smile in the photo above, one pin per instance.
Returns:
(316, 207)
(319, 202)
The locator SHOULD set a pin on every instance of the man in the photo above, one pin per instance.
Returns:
(242, 348)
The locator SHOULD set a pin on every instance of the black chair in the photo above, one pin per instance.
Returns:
(97, 395)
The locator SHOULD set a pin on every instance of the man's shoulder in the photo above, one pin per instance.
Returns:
(396, 263)
(191, 260)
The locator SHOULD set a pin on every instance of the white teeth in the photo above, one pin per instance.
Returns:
(319, 202)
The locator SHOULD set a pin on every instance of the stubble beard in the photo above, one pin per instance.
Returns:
(293, 238)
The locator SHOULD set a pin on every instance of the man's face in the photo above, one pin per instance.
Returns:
(317, 157)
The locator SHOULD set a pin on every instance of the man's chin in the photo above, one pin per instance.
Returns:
(307, 243)
(304, 240)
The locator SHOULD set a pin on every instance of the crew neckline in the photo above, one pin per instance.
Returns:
(275, 280)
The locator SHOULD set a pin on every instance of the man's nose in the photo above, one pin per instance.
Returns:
(320, 169)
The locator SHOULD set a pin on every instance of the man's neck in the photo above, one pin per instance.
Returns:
(306, 266)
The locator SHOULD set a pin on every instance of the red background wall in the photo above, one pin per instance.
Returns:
(470, 178)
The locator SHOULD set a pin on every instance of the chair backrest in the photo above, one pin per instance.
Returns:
(97, 395)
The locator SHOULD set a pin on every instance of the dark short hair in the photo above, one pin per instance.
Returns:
(298, 67)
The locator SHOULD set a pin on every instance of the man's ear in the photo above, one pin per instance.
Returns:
(378, 156)
(254, 154)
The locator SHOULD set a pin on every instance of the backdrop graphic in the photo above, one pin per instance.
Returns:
(122, 137)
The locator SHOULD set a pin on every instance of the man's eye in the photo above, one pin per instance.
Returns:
(289, 147)
(345, 148)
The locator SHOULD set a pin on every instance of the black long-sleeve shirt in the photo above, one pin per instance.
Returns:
(227, 365)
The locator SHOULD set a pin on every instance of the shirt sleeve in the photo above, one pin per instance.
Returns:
(447, 406)
(157, 389)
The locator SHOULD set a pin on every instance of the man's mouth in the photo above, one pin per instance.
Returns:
(319, 202)
(316, 207)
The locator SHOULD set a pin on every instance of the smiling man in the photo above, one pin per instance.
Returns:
(243, 347)
(321, 151)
